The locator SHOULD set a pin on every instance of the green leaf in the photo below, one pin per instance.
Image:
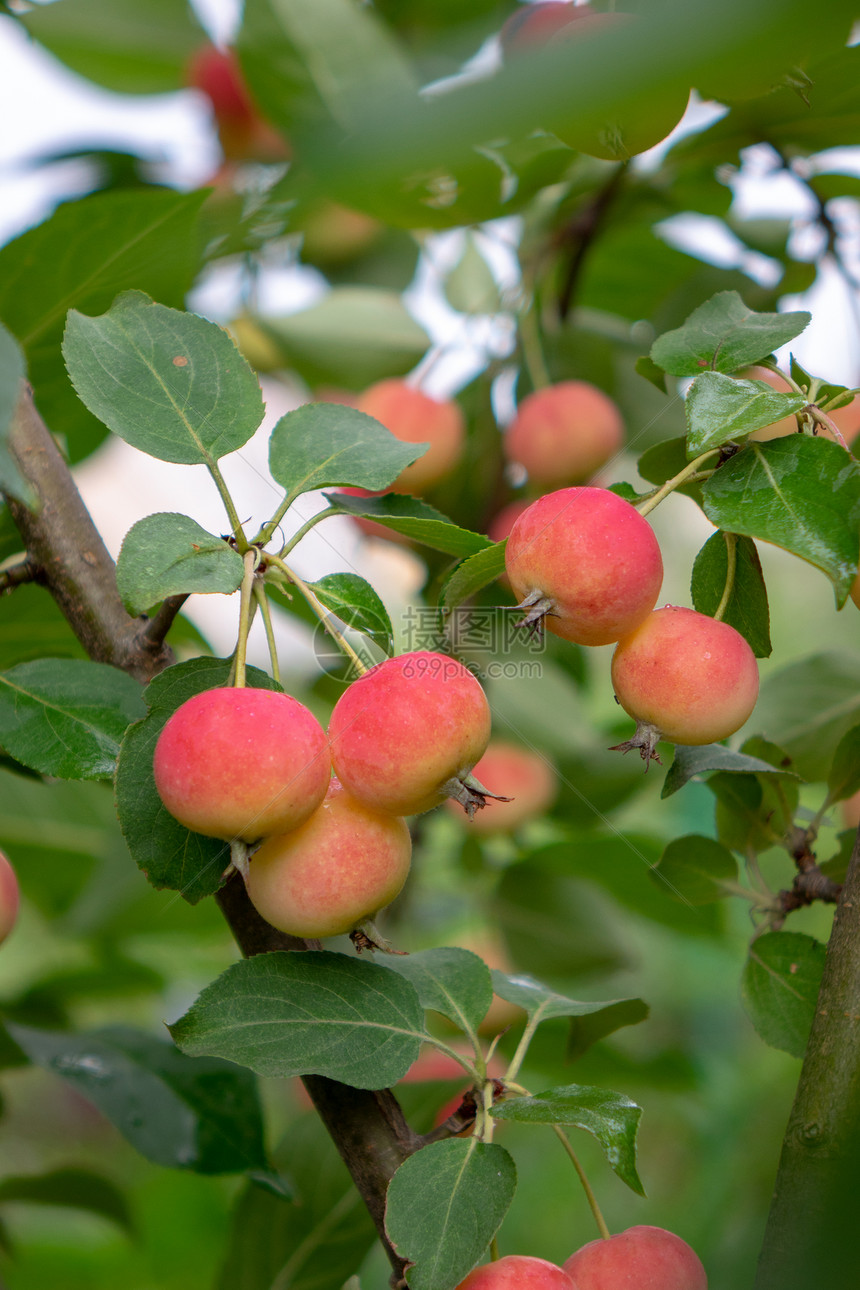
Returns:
(322, 444)
(199, 1114)
(724, 334)
(844, 778)
(355, 603)
(315, 1013)
(591, 1021)
(169, 554)
(66, 717)
(808, 706)
(611, 1117)
(694, 868)
(750, 811)
(324, 55)
(312, 1244)
(126, 47)
(12, 372)
(450, 981)
(80, 258)
(622, 866)
(779, 988)
(353, 337)
(168, 853)
(414, 519)
(800, 493)
(473, 574)
(73, 1189)
(692, 761)
(646, 367)
(746, 609)
(170, 383)
(720, 408)
(444, 1206)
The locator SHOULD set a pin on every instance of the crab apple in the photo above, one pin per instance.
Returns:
(241, 763)
(558, 23)
(684, 677)
(518, 1272)
(647, 1258)
(563, 433)
(415, 417)
(242, 132)
(526, 777)
(332, 873)
(406, 734)
(10, 897)
(585, 564)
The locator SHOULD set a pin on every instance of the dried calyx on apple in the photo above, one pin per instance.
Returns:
(683, 677)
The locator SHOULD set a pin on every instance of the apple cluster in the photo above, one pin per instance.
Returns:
(324, 812)
(585, 564)
(649, 1258)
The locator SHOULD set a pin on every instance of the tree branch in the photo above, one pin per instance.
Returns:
(77, 569)
(811, 1238)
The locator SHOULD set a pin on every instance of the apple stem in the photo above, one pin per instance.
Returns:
(648, 503)
(320, 610)
(263, 601)
(731, 568)
(246, 613)
(589, 1194)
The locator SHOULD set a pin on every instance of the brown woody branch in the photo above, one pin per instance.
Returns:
(74, 563)
(62, 542)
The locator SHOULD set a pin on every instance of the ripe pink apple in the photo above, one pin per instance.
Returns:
(642, 1258)
(558, 23)
(242, 132)
(526, 777)
(684, 677)
(332, 873)
(406, 734)
(415, 417)
(518, 1272)
(10, 897)
(585, 564)
(242, 763)
(564, 433)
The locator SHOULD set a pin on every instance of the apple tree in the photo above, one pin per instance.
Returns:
(497, 889)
